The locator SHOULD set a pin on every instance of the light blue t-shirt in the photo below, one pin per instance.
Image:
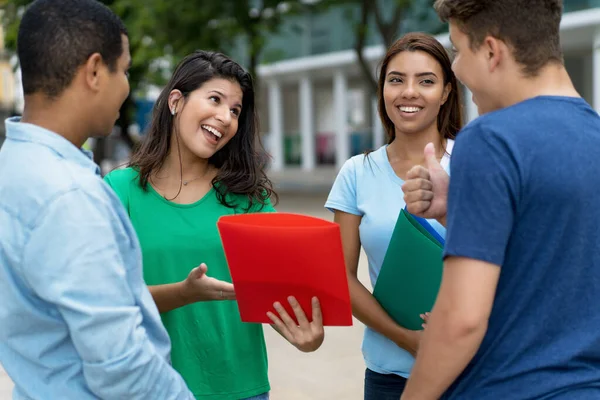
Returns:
(369, 187)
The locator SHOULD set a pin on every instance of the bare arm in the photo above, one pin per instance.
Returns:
(364, 305)
(169, 297)
(196, 287)
(455, 328)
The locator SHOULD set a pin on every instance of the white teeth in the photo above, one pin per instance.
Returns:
(410, 109)
(213, 131)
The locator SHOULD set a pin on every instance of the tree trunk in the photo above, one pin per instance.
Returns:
(389, 30)
(252, 68)
(361, 36)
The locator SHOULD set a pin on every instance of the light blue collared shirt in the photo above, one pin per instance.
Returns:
(76, 319)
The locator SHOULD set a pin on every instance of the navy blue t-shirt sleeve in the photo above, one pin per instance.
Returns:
(482, 196)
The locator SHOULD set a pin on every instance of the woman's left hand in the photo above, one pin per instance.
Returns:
(306, 336)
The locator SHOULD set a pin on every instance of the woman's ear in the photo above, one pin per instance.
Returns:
(174, 100)
(447, 90)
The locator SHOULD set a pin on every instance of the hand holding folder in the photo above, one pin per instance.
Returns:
(411, 273)
(272, 256)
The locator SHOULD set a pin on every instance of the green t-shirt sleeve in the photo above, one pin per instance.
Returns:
(119, 181)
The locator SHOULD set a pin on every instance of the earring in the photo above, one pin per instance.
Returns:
(172, 111)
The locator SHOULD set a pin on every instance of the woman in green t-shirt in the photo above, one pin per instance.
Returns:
(202, 159)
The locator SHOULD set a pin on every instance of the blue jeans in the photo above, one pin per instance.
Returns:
(383, 387)
(264, 396)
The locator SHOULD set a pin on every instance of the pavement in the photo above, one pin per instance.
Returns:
(6, 385)
(296, 180)
(336, 370)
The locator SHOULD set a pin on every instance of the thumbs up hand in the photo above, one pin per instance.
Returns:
(426, 188)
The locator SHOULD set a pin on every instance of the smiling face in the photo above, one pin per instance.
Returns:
(414, 91)
(208, 119)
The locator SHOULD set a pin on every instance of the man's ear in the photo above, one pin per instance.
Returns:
(93, 70)
(495, 50)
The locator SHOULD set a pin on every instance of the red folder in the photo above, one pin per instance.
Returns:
(275, 255)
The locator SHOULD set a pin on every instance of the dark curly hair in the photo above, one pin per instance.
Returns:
(241, 162)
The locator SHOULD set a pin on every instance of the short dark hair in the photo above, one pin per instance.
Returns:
(449, 120)
(56, 37)
(530, 27)
(241, 162)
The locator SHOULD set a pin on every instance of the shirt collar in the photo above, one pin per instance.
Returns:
(25, 132)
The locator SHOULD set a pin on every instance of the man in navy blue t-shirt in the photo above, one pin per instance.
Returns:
(516, 316)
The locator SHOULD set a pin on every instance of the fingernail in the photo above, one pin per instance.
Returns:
(276, 304)
(291, 299)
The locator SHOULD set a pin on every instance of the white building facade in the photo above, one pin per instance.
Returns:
(315, 110)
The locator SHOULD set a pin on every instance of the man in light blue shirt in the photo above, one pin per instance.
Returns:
(76, 319)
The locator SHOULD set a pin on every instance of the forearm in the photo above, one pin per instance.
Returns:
(445, 351)
(169, 296)
(368, 311)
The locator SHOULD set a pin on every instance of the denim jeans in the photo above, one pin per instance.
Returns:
(264, 396)
(383, 387)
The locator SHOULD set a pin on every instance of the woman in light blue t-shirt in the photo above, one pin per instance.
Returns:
(419, 103)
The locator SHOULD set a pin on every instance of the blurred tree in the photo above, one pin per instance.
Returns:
(221, 25)
(161, 32)
(142, 56)
(388, 18)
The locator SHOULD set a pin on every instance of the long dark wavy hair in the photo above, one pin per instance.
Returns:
(450, 119)
(241, 162)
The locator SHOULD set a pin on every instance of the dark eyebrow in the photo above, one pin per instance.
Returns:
(419, 75)
(223, 96)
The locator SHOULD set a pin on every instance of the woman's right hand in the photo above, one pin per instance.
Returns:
(200, 287)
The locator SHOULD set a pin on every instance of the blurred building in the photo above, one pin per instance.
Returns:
(315, 109)
(7, 85)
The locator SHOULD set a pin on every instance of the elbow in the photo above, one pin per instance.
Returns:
(457, 327)
(133, 375)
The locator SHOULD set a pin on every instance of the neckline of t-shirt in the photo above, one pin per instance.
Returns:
(388, 165)
(178, 205)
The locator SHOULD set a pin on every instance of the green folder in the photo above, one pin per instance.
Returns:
(411, 273)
